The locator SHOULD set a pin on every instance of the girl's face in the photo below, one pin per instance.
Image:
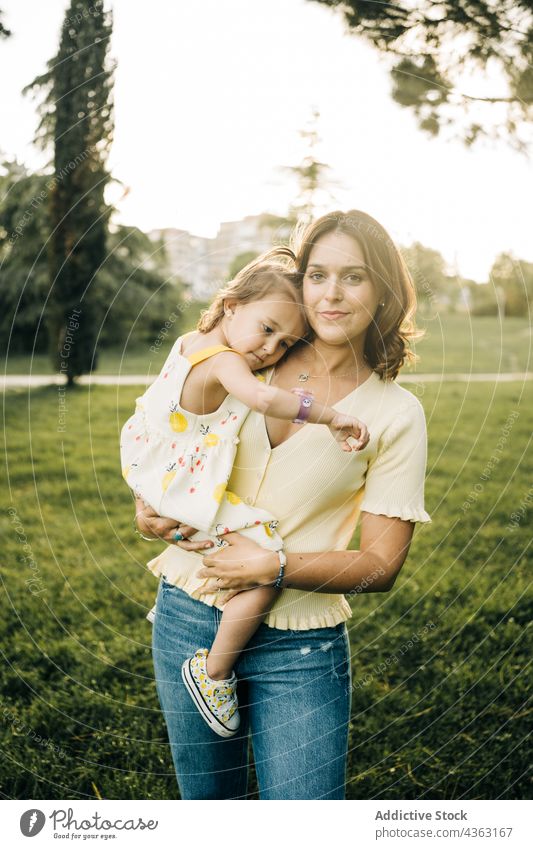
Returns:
(340, 299)
(263, 330)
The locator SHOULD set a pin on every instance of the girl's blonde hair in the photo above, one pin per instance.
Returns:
(273, 272)
(392, 327)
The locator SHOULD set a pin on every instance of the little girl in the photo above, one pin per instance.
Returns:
(178, 448)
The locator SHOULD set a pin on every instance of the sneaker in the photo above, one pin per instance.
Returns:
(215, 700)
(151, 615)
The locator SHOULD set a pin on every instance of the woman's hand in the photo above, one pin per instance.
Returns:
(350, 432)
(152, 525)
(241, 565)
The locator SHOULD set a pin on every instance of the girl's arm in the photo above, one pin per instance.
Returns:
(233, 373)
(373, 568)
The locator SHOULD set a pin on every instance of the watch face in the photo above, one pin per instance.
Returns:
(306, 402)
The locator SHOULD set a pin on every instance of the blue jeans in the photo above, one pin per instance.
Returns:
(294, 698)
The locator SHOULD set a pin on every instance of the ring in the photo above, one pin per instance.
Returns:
(178, 536)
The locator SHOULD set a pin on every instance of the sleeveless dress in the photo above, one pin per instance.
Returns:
(180, 462)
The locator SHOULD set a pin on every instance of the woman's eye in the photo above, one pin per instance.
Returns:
(316, 275)
(354, 278)
(284, 344)
(267, 329)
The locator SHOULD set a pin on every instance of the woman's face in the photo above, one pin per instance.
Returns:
(340, 299)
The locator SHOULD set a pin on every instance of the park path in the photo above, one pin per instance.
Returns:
(23, 381)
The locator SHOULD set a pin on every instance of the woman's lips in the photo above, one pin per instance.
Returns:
(333, 315)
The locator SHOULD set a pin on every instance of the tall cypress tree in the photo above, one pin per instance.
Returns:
(77, 119)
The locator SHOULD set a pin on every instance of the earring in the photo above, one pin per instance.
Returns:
(382, 303)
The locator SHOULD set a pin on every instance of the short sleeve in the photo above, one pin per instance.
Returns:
(394, 483)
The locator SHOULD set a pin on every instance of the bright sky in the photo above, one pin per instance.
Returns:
(209, 99)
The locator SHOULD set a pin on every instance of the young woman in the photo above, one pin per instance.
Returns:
(294, 675)
(178, 447)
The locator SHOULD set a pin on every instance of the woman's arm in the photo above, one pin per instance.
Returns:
(373, 568)
(235, 376)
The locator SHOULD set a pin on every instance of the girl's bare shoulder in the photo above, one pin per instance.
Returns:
(192, 342)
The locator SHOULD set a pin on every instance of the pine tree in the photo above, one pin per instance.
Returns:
(77, 119)
(313, 193)
(312, 177)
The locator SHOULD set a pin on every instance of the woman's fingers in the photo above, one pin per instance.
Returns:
(160, 527)
(150, 523)
(195, 545)
(186, 531)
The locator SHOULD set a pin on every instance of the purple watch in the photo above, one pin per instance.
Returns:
(306, 400)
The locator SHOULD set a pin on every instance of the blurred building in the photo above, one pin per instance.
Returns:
(202, 264)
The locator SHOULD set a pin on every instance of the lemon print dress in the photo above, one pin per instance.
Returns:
(180, 462)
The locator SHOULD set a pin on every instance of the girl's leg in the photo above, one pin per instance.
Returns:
(242, 616)
(299, 701)
(207, 766)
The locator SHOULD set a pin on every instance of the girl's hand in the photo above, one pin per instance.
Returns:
(240, 565)
(151, 524)
(346, 428)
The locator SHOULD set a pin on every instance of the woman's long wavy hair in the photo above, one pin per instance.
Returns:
(271, 273)
(387, 338)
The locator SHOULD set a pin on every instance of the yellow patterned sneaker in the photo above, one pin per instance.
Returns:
(215, 700)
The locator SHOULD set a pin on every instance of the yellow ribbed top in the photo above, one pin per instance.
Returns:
(317, 491)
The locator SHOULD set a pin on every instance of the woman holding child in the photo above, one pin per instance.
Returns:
(290, 655)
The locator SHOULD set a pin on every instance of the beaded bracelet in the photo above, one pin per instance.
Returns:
(278, 583)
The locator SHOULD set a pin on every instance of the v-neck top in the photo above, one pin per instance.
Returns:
(317, 491)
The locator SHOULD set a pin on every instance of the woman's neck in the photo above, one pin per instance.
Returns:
(322, 358)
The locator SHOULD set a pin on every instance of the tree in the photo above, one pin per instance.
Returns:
(76, 117)
(313, 194)
(132, 279)
(512, 279)
(427, 268)
(438, 46)
(311, 175)
(133, 282)
(24, 281)
(238, 263)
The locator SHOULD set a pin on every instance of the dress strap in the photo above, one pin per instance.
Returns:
(205, 353)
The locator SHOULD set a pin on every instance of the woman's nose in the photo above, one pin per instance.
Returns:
(333, 290)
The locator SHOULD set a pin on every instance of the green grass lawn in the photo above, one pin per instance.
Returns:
(453, 343)
(463, 343)
(440, 701)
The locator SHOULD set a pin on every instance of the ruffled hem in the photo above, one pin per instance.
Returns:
(408, 514)
(191, 585)
(330, 617)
